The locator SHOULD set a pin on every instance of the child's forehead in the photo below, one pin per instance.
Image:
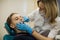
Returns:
(16, 15)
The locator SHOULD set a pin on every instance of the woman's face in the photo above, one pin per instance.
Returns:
(41, 5)
(16, 18)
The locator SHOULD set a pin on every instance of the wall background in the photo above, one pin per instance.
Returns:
(23, 7)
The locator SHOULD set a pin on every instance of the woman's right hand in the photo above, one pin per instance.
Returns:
(24, 27)
(26, 19)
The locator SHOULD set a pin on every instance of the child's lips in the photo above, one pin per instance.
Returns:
(20, 22)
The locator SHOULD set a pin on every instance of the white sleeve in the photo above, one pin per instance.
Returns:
(31, 16)
(54, 31)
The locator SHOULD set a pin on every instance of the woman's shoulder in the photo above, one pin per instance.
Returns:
(35, 11)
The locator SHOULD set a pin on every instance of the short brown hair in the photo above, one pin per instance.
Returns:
(9, 18)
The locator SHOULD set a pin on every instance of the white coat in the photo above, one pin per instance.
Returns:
(39, 23)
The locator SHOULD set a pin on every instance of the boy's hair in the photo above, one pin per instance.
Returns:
(9, 18)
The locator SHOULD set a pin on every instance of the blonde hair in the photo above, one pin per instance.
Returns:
(51, 9)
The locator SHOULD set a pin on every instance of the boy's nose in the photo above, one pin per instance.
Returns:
(21, 18)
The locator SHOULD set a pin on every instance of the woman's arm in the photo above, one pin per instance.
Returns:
(25, 27)
(40, 37)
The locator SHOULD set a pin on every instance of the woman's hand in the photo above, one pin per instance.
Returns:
(24, 27)
(26, 19)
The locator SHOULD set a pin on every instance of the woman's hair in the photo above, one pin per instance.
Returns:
(9, 18)
(51, 9)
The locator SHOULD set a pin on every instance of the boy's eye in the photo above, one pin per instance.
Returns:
(16, 18)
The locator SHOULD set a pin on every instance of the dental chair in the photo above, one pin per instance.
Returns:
(11, 32)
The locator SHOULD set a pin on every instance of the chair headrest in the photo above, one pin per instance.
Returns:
(9, 30)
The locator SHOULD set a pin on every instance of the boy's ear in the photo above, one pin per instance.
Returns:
(12, 26)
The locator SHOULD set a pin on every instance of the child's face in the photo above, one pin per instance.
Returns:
(16, 18)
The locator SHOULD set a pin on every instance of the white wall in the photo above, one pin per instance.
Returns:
(23, 7)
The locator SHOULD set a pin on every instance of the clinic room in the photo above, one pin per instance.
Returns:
(29, 19)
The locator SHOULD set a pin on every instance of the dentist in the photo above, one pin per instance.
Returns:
(46, 24)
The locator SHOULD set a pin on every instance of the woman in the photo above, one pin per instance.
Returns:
(12, 20)
(45, 19)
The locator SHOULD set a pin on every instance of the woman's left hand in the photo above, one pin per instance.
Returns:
(24, 27)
